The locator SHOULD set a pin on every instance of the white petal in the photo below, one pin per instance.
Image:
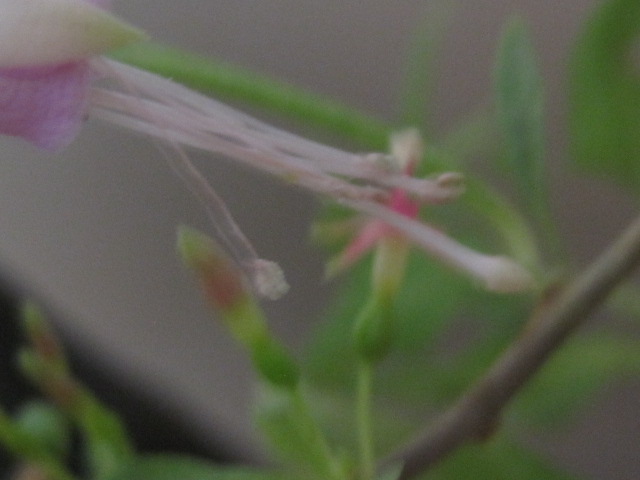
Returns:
(45, 32)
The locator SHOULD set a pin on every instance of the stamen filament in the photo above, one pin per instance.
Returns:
(266, 277)
(497, 273)
(217, 119)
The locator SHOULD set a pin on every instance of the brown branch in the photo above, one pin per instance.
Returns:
(476, 413)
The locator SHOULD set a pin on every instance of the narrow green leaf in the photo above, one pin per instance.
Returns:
(420, 70)
(173, 467)
(605, 94)
(106, 442)
(520, 108)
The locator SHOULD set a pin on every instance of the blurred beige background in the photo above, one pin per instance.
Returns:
(92, 228)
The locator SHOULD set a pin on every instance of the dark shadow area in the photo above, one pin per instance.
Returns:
(153, 427)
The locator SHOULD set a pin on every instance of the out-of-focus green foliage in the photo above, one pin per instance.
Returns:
(285, 420)
(106, 442)
(498, 459)
(520, 110)
(573, 375)
(604, 91)
(47, 426)
(173, 467)
(421, 72)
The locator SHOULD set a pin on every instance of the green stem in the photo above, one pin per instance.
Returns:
(363, 419)
(477, 412)
(332, 465)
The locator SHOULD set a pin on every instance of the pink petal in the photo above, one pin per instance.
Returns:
(403, 204)
(44, 105)
(366, 239)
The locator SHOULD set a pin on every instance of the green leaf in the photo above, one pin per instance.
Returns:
(419, 76)
(173, 467)
(19, 442)
(605, 94)
(106, 442)
(576, 372)
(498, 459)
(43, 362)
(520, 108)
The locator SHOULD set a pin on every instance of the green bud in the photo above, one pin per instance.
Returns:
(274, 363)
(223, 285)
(373, 329)
(226, 290)
(222, 281)
(389, 266)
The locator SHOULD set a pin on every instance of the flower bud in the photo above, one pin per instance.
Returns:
(274, 363)
(221, 280)
(226, 290)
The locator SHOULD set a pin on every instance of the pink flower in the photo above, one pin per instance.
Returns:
(407, 150)
(397, 219)
(45, 74)
(49, 55)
